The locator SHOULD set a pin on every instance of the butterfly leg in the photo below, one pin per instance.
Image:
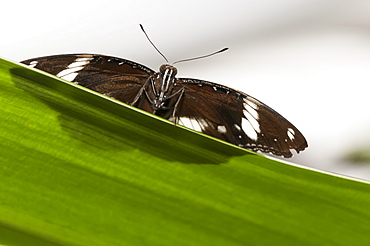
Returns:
(173, 118)
(140, 93)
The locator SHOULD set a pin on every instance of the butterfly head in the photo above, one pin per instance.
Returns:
(168, 69)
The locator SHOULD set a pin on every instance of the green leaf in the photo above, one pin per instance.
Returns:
(77, 168)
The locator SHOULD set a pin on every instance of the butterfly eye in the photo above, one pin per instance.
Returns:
(174, 71)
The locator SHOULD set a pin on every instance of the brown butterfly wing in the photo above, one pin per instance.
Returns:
(114, 77)
(236, 117)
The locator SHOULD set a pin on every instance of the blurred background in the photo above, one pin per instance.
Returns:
(307, 59)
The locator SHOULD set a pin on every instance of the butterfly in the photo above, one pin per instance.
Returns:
(207, 107)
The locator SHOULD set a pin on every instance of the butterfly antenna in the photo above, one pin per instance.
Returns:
(142, 28)
(200, 57)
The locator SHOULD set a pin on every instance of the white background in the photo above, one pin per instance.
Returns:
(307, 59)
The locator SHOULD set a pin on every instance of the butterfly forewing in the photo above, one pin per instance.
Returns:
(213, 109)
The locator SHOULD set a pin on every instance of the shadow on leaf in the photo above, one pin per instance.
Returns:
(104, 125)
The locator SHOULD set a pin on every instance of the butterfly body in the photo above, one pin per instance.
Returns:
(160, 93)
(213, 109)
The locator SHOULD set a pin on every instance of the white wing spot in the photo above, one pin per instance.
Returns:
(249, 101)
(249, 129)
(253, 121)
(237, 127)
(69, 77)
(251, 108)
(291, 133)
(250, 112)
(194, 124)
(71, 72)
(33, 63)
(250, 124)
(221, 129)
